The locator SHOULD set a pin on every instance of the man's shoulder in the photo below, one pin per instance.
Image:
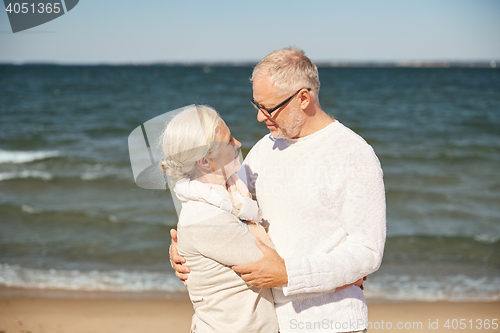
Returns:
(264, 141)
(355, 148)
(262, 145)
(345, 133)
(341, 140)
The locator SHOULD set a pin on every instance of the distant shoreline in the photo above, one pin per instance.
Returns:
(321, 64)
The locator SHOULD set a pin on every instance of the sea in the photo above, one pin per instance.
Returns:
(73, 219)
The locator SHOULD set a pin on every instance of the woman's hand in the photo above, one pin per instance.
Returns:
(176, 260)
(359, 283)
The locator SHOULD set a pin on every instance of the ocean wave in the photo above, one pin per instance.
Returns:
(84, 176)
(113, 218)
(487, 239)
(30, 210)
(26, 174)
(456, 288)
(101, 175)
(18, 157)
(55, 216)
(94, 280)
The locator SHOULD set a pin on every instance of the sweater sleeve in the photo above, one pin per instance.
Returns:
(224, 239)
(363, 218)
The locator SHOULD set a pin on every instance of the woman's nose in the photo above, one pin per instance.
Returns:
(238, 144)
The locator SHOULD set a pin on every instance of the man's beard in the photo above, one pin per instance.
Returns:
(295, 123)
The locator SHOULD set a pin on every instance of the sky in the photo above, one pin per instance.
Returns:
(150, 31)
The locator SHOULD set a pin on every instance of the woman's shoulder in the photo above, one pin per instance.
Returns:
(201, 213)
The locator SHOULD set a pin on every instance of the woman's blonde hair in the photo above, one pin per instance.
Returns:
(187, 139)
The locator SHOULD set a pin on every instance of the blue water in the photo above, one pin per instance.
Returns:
(71, 216)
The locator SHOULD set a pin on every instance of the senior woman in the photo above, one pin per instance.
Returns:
(201, 161)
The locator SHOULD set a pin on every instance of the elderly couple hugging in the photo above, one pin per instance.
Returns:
(282, 242)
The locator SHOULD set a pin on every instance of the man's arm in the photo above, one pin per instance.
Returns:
(176, 260)
(363, 218)
(270, 270)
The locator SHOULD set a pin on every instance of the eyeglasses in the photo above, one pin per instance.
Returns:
(268, 112)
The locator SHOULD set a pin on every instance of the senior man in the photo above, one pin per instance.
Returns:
(320, 187)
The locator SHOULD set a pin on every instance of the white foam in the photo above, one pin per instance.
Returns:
(30, 210)
(487, 239)
(116, 280)
(17, 157)
(26, 174)
(92, 175)
(100, 171)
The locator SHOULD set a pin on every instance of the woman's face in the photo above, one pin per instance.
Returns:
(226, 155)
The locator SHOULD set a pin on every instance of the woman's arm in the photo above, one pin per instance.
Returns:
(222, 238)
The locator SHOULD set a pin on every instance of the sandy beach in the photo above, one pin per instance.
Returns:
(101, 313)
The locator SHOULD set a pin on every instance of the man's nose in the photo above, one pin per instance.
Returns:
(261, 116)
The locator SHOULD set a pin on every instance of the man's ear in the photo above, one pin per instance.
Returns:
(305, 99)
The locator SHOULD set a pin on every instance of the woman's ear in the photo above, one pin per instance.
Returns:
(204, 164)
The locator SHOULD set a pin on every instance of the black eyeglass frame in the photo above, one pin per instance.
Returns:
(270, 111)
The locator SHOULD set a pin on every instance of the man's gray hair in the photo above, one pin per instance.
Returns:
(289, 70)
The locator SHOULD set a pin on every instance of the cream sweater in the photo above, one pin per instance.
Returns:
(323, 196)
(212, 239)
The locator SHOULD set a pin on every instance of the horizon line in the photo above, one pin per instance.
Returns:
(334, 63)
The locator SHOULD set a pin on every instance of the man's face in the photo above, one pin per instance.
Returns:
(287, 121)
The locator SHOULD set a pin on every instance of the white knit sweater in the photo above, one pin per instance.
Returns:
(323, 196)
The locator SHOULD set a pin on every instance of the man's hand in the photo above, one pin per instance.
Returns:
(359, 283)
(267, 272)
(176, 260)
